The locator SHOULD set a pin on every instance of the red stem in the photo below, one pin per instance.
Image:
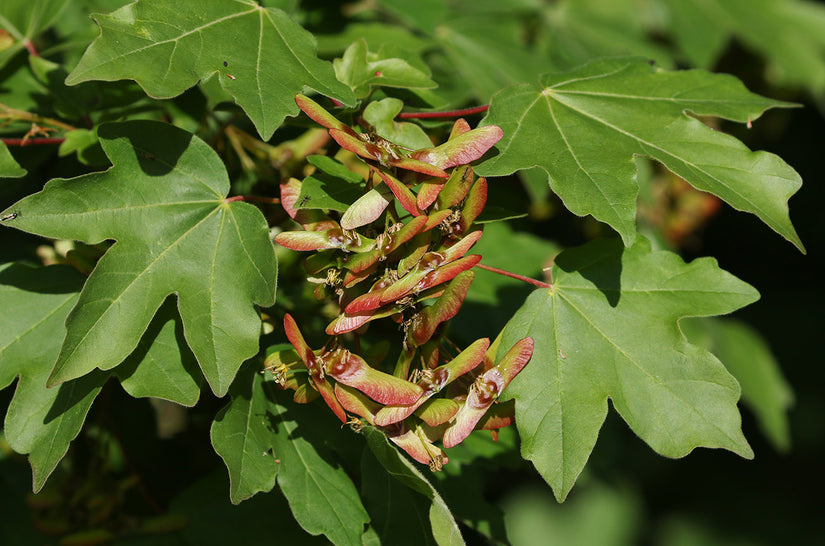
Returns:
(30, 46)
(448, 114)
(514, 276)
(30, 141)
(255, 198)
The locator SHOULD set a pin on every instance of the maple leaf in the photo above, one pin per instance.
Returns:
(441, 522)
(163, 202)
(43, 421)
(279, 443)
(584, 126)
(608, 329)
(9, 168)
(261, 57)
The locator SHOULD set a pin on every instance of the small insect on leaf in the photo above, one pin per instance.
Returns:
(8, 217)
(230, 76)
(225, 63)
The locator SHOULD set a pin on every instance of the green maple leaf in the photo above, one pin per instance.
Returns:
(9, 168)
(608, 329)
(796, 29)
(162, 366)
(399, 470)
(261, 57)
(746, 355)
(243, 439)
(260, 438)
(39, 421)
(584, 126)
(163, 202)
(43, 421)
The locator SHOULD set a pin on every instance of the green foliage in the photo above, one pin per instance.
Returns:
(594, 344)
(588, 122)
(238, 40)
(211, 153)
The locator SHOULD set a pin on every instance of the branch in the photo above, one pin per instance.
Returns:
(447, 114)
(514, 276)
(31, 141)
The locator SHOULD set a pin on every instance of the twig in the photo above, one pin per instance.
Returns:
(30, 46)
(447, 114)
(514, 276)
(254, 198)
(13, 114)
(31, 141)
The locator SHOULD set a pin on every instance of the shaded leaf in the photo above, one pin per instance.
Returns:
(424, 14)
(597, 515)
(214, 521)
(381, 115)
(321, 496)
(162, 365)
(242, 436)
(443, 525)
(796, 29)
(609, 329)
(9, 168)
(488, 53)
(163, 202)
(586, 125)
(40, 421)
(168, 46)
(25, 19)
(398, 514)
(376, 34)
(578, 31)
(362, 70)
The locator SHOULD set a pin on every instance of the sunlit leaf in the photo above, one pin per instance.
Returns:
(608, 329)
(584, 126)
(363, 70)
(260, 56)
(164, 203)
